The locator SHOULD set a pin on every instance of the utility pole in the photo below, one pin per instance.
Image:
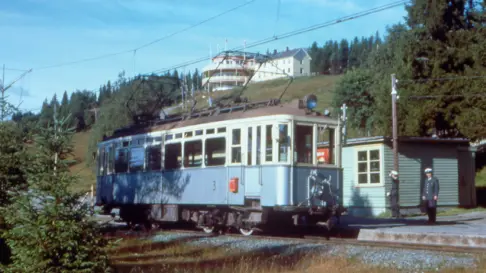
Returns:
(394, 122)
(344, 118)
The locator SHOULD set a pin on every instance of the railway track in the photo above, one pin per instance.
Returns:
(297, 237)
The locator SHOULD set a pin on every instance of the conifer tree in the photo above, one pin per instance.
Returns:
(50, 231)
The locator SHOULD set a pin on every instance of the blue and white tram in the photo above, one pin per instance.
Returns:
(242, 168)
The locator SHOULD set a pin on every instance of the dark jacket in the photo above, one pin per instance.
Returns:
(431, 188)
(394, 185)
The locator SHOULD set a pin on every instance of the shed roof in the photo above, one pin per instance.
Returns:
(375, 139)
(383, 139)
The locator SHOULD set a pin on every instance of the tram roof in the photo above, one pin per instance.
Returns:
(291, 109)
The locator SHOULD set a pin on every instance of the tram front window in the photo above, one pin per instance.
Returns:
(304, 143)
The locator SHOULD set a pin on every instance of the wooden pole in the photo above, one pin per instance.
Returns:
(394, 122)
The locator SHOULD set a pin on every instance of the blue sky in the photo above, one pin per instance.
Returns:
(40, 33)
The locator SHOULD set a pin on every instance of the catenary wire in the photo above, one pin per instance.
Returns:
(133, 50)
(289, 34)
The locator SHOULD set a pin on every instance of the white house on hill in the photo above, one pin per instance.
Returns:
(227, 71)
(295, 63)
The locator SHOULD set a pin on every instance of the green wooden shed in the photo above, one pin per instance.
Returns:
(368, 161)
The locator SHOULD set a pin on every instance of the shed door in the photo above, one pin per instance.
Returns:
(467, 189)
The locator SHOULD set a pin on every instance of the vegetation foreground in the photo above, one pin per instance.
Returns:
(145, 256)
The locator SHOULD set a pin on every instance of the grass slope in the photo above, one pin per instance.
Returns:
(322, 86)
(85, 174)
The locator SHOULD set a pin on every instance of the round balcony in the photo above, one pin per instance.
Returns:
(225, 78)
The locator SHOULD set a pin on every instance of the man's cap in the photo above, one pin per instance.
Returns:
(428, 170)
(394, 172)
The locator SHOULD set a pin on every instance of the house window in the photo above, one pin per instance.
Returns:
(301, 71)
(369, 167)
(288, 70)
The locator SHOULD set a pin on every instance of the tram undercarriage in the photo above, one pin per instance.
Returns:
(244, 219)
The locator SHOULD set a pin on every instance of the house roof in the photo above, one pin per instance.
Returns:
(287, 53)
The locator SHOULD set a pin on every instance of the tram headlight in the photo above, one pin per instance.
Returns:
(310, 101)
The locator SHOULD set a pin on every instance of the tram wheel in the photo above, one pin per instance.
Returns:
(246, 231)
(208, 230)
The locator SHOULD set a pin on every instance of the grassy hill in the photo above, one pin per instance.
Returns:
(85, 173)
(321, 86)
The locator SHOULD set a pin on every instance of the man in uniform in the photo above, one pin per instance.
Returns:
(430, 195)
(393, 194)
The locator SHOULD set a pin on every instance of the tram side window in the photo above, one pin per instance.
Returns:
(101, 157)
(137, 157)
(193, 154)
(303, 143)
(154, 157)
(111, 159)
(268, 144)
(215, 151)
(250, 140)
(236, 146)
(172, 157)
(121, 160)
(325, 148)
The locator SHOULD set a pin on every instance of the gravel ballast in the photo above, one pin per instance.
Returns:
(414, 260)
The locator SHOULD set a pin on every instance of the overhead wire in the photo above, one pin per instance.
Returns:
(147, 44)
(290, 34)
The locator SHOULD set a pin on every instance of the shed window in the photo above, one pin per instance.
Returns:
(121, 160)
(369, 167)
(137, 158)
(304, 143)
(154, 157)
(215, 151)
(193, 153)
(172, 158)
(236, 146)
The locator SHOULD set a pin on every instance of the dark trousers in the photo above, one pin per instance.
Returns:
(431, 210)
(395, 207)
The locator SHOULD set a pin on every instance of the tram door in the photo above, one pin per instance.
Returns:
(253, 172)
